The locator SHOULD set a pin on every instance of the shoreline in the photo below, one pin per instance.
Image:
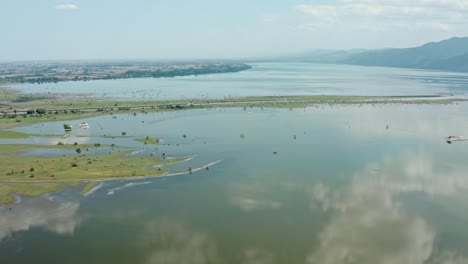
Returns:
(66, 72)
(129, 178)
(18, 109)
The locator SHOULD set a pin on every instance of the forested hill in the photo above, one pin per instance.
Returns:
(451, 55)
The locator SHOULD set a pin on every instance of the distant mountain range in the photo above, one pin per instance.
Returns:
(449, 55)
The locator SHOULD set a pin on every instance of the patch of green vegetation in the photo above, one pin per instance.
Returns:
(26, 189)
(74, 168)
(75, 184)
(48, 135)
(109, 136)
(32, 175)
(323, 98)
(8, 134)
(88, 187)
(31, 119)
(8, 148)
(25, 99)
(148, 140)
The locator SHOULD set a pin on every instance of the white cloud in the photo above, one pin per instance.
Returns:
(67, 7)
(435, 15)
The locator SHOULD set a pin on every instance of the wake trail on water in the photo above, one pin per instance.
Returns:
(128, 185)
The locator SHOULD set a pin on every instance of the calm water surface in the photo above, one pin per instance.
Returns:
(341, 188)
(266, 79)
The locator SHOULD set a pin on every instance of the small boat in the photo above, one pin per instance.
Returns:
(449, 139)
(84, 125)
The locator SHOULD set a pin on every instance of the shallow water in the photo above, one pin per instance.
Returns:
(266, 79)
(340, 188)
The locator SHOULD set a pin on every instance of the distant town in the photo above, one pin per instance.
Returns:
(47, 72)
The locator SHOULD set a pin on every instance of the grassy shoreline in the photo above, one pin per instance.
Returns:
(39, 108)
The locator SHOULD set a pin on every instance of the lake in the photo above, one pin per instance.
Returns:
(266, 79)
(327, 184)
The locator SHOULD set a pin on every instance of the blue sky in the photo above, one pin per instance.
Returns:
(166, 29)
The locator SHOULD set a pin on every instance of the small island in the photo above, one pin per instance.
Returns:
(32, 175)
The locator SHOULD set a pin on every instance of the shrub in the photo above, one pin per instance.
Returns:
(41, 111)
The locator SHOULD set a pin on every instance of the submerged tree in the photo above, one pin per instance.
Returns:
(67, 127)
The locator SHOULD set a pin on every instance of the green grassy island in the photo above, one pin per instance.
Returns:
(36, 175)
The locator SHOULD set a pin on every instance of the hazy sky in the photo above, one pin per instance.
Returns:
(152, 29)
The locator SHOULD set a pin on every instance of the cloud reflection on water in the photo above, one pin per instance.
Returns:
(55, 216)
(171, 242)
(257, 256)
(448, 257)
(369, 222)
(251, 197)
(422, 121)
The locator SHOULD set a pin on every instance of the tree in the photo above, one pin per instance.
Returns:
(41, 111)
